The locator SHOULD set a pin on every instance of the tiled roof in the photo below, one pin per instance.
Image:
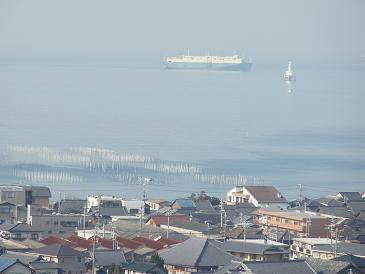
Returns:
(162, 219)
(23, 227)
(351, 196)
(297, 267)
(6, 263)
(104, 242)
(358, 261)
(41, 191)
(265, 194)
(327, 266)
(150, 243)
(5, 203)
(56, 240)
(185, 203)
(203, 205)
(25, 258)
(196, 252)
(202, 217)
(342, 248)
(57, 250)
(127, 243)
(191, 225)
(251, 247)
(109, 257)
(141, 267)
(356, 206)
(44, 265)
(167, 241)
(80, 242)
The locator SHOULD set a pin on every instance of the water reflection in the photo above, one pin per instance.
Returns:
(289, 86)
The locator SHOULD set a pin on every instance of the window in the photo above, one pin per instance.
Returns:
(17, 236)
(79, 259)
(34, 236)
(11, 195)
(62, 260)
(56, 223)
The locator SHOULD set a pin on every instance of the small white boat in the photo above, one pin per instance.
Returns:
(289, 74)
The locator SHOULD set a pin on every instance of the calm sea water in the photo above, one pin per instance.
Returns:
(196, 129)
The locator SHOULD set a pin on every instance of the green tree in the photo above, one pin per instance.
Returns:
(215, 201)
(156, 259)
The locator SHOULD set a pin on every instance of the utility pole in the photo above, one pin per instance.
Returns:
(94, 243)
(300, 195)
(168, 223)
(59, 202)
(221, 212)
(84, 220)
(114, 238)
(336, 234)
(225, 225)
(144, 199)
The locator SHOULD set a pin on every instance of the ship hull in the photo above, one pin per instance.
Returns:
(202, 66)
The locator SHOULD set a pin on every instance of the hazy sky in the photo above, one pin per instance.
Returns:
(260, 28)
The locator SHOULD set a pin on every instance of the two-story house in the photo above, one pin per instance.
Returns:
(68, 259)
(259, 196)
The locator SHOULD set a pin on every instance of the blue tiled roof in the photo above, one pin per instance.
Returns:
(5, 263)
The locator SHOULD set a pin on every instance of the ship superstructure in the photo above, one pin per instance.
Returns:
(289, 74)
(212, 62)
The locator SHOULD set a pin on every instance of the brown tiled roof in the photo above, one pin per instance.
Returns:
(130, 244)
(150, 243)
(162, 219)
(168, 241)
(266, 194)
(103, 242)
(56, 240)
(80, 242)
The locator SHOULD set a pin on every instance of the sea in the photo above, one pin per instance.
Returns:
(99, 128)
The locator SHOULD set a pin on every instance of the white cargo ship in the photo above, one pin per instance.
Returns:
(289, 75)
(210, 62)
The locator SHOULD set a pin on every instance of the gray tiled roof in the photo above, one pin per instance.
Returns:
(143, 267)
(203, 205)
(57, 250)
(197, 252)
(251, 247)
(340, 211)
(342, 248)
(23, 227)
(232, 268)
(356, 206)
(107, 257)
(41, 191)
(213, 218)
(73, 206)
(358, 261)
(329, 201)
(41, 265)
(108, 211)
(194, 226)
(351, 196)
(290, 267)
(21, 256)
(327, 266)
